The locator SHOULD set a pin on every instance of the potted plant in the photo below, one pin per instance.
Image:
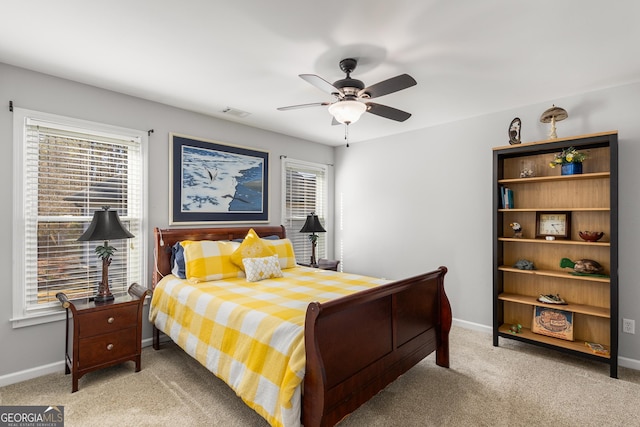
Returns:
(570, 160)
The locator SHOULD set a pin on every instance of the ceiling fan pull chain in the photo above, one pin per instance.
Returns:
(346, 133)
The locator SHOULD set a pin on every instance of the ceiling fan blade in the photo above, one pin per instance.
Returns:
(321, 84)
(295, 107)
(387, 112)
(385, 87)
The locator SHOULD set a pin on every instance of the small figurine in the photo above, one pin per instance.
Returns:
(514, 131)
(517, 228)
(523, 264)
(527, 173)
(552, 299)
(516, 328)
(584, 266)
(553, 115)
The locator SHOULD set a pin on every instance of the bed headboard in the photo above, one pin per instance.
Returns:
(164, 239)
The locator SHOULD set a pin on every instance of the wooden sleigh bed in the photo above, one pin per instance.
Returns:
(355, 345)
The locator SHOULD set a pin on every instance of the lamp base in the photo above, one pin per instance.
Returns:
(102, 299)
(104, 294)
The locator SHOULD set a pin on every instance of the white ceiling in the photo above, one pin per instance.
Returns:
(469, 57)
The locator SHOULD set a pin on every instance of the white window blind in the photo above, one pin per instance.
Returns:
(305, 191)
(67, 174)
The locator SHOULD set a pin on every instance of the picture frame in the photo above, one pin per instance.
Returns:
(211, 181)
(553, 224)
(552, 322)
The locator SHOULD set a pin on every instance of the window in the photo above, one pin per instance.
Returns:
(305, 191)
(65, 169)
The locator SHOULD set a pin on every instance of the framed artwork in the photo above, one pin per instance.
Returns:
(553, 322)
(210, 181)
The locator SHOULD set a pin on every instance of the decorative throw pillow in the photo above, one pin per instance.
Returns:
(210, 260)
(177, 261)
(262, 268)
(251, 247)
(284, 249)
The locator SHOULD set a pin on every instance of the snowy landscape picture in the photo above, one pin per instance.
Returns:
(217, 182)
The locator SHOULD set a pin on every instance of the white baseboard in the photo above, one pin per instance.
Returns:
(629, 363)
(28, 374)
(147, 342)
(473, 326)
(38, 371)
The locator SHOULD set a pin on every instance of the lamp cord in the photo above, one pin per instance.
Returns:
(155, 254)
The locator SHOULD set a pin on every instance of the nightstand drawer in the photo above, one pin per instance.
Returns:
(105, 321)
(106, 348)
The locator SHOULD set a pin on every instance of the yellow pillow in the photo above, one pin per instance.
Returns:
(251, 247)
(210, 260)
(262, 268)
(284, 249)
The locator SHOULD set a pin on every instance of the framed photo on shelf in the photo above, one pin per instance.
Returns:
(210, 181)
(553, 322)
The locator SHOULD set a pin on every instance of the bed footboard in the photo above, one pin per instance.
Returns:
(357, 345)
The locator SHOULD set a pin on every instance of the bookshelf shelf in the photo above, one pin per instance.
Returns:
(574, 308)
(553, 273)
(542, 208)
(553, 242)
(534, 179)
(527, 336)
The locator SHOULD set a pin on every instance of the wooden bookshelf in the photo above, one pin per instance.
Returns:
(591, 201)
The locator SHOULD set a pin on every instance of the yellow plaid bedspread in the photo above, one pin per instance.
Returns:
(251, 335)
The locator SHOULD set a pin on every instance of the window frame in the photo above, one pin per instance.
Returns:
(324, 239)
(25, 314)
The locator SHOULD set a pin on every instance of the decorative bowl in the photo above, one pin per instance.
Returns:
(591, 236)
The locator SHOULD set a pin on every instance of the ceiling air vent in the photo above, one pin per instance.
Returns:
(235, 112)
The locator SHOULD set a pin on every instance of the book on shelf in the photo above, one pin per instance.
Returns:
(506, 198)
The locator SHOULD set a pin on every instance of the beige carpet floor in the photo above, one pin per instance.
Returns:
(511, 385)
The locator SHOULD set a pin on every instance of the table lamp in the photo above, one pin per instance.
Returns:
(313, 226)
(105, 226)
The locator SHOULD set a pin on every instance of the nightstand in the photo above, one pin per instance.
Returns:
(325, 264)
(103, 334)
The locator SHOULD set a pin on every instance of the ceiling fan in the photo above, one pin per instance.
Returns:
(351, 96)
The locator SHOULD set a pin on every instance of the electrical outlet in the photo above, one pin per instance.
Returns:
(629, 326)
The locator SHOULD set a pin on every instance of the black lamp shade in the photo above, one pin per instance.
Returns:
(312, 225)
(105, 225)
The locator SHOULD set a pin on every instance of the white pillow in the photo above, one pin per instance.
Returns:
(258, 269)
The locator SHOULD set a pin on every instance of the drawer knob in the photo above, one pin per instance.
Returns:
(110, 347)
(110, 320)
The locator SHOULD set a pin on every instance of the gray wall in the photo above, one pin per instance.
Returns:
(413, 202)
(33, 350)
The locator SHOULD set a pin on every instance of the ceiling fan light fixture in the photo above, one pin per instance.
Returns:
(348, 111)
